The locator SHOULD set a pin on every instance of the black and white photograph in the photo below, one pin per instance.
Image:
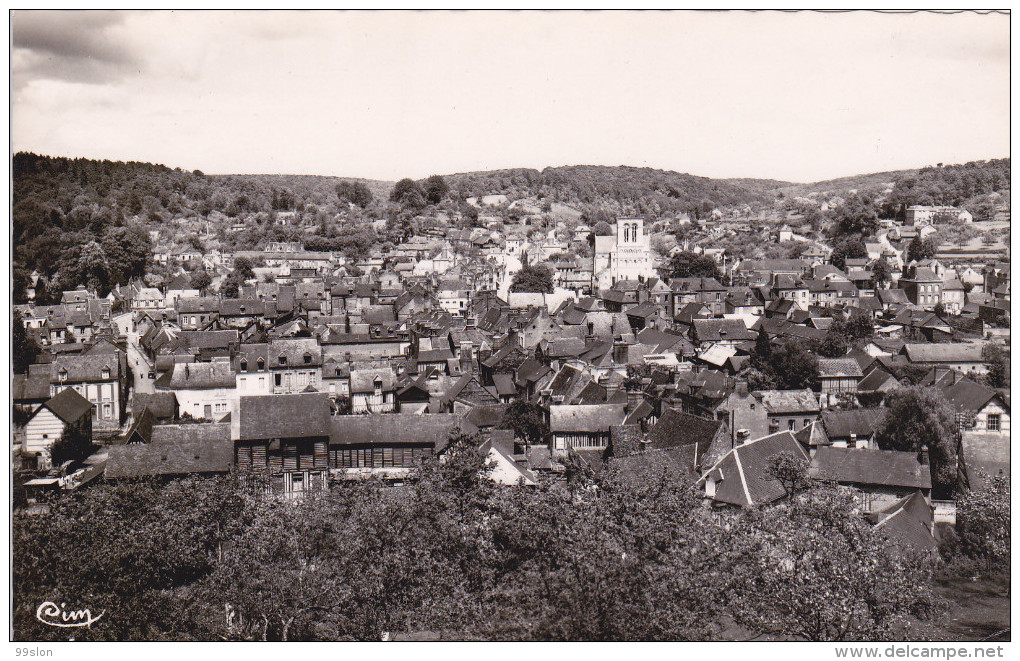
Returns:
(446, 326)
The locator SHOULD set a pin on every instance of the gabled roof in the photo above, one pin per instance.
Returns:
(741, 475)
(716, 330)
(68, 405)
(908, 522)
(967, 395)
(870, 467)
(192, 376)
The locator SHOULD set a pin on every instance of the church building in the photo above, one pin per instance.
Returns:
(625, 256)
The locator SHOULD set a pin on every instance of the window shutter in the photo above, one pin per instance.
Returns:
(321, 455)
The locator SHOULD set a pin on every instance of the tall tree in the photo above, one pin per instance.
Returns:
(24, 350)
(857, 216)
(919, 417)
(435, 189)
(536, 278)
(691, 265)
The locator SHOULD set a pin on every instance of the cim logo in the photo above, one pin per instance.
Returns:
(57, 616)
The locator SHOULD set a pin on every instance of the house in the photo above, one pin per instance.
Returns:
(285, 439)
(389, 445)
(923, 287)
(724, 332)
(205, 391)
(295, 364)
(373, 390)
(65, 412)
(853, 428)
(789, 409)
(162, 405)
(909, 523)
(583, 426)
(962, 357)
(250, 363)
(880, 476)
(983, 416)
(839, 375)
(740, 478)
(101, 379)
(147, 299)
(502, 468)
(194, 313)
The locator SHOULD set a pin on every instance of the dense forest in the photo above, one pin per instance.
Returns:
(456, 555)
(618, 190)
(979, 186)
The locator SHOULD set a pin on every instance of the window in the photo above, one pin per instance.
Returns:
(244, 365)
(283, 360)
(107, 411)
(278, 378)
(994, 422)
(261, 364)
(793, 424)
(308, 358)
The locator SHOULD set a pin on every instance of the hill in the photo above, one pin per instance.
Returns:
(616, 190)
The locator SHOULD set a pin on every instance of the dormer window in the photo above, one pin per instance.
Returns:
(62, 374)
(308, 358)
(261, 364)
(244, 365)
(106, 373)
(378, 385)
(283, 360)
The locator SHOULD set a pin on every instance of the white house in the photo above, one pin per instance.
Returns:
(66, 410)
(203, 390)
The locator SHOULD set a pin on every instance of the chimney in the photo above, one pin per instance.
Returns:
(922, 456)
(741, 388)
(742, 436)
(634, 398)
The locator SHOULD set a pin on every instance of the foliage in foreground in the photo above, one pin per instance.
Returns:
(206, 559)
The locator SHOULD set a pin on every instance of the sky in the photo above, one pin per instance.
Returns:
(384, 95)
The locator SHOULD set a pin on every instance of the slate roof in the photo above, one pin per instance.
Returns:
(908, 522)
(967, 395)
(643, 469)
(303, 415)
(293, 350)
(585, 417)
(875, 380)
(715, 330)
(198, 376)
(859, 422)
(201, 431)
(181, 457)
(162, 404)
(198, 304)
(741, 473)
(504, 384)
(870, 467)
(432, 429)
(82, 368)
(68, 405)
(32, 386)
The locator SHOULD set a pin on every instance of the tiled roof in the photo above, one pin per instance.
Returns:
(859, 422)
(908, 522)
(839, 367)
(870, 467)
(967, 395)
(181, 457)
(285, 416)
(85, 368)
(202, 431)
(585, 417)
(192, 376)
(394, 428)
